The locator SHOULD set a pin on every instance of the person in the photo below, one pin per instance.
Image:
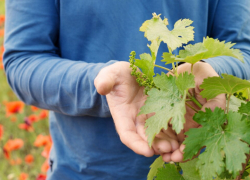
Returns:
(70, 57)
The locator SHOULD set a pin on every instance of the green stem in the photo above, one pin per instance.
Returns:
(194, 100)
(192, 68)
(191, 107)
(174, 69)
(228, 100)
(163, 68)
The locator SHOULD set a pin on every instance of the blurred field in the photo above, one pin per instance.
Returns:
(24, 134)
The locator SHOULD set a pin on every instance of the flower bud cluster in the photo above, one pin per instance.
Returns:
(141, 78)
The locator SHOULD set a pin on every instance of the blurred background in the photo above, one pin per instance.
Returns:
(24, 133)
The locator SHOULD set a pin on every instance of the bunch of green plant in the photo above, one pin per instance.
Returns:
(224, 133)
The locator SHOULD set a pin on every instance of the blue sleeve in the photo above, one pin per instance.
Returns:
(232, 23)
(34, 69)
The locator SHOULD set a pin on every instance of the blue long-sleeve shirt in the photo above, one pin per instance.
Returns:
(55, 48)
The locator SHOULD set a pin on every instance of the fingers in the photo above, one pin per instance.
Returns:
(132, 134)
(132, 139)
(165, 142)
(176, 156)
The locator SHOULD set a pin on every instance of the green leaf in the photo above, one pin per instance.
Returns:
(154, 46)
(209, 48)
(235, 103)
(189, 170)
(157, 28)
(229, 84)
(169, 172)
(167, 103)
(221, 141)
(247, 178)
(191, 54)
(146, 64)
(245, 108)
(158, 163)
(168, 58)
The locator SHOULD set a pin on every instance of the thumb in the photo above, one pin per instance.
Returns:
(105, 80)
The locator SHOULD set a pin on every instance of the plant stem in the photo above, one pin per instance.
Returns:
(191, 107)
(243, 169)
(228, 99)
(192, 68)
(194, 100)
(164, 68)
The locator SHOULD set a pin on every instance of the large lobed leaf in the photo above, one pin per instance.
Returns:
(209, 48)
(156, 28)
(229, 141)
(229, 84)
(167, 102)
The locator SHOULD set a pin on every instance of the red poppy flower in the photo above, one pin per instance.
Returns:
(1, 131)
(23, 176)
(45, 166)
(26, 127)
(13, 144)
(41, 177)
(33, 118)
(13, 107)
(29, 159)
(46, 150)
(42, 140)
(34, 108)
(2, 18)
(43, 114)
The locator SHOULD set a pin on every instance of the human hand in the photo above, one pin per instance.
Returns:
(125, 98)
(201, 71)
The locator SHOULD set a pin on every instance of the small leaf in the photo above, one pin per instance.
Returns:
(146, 64)
(245, 108)
(158, 163)
(169, 172)
(168, 58)
(229, 84)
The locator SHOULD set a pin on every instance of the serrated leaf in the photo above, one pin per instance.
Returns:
(157, 28)
(221, 141)
(229, 84)
(146, 64)
(245, 108)
(158, 163)
(169, 172)
(168, 58)
(189, 170)
(167, 103)
(209, 48)
(191, 54)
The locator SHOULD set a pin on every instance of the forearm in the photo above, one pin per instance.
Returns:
(57, 84)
